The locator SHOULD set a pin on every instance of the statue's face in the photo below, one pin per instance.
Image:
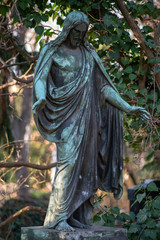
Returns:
(76, 35)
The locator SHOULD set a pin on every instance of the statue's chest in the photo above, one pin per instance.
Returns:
(66, 67)
(68, 62)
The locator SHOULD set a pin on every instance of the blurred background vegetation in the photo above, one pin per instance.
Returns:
(126, 35)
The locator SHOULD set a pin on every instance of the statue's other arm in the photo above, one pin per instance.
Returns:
(40, 93)
(115, 100)
(41, 73)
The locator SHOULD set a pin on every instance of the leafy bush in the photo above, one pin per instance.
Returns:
(145, 225)
(12, 231)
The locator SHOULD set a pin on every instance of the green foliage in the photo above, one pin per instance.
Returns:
(144, 225)
(28, 219)
(4, 9)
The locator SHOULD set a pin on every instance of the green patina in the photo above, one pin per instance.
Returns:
(77, 106)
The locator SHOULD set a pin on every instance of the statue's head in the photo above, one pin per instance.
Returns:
(74, 29)
(77, 35)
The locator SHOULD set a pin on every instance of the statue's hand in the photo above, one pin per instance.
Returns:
(139, 112)
(38, 105)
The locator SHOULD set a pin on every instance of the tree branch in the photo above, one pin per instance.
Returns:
(157, 34)
(6, 49)
(15, 45)
(30, 165)
(20, 212)
(13, 64)
(26, 79)
(23, 78)
(137, 32)
(134, 28)
(8, 84)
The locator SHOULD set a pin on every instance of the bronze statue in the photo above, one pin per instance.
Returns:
(77, 106)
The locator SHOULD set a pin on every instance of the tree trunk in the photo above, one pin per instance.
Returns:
(21, 131)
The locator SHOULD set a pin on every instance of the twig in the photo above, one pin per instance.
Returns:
(29, 69)
(14, 142)
(17, 11)
(12, 58)
(9, 231)
(6, 49)
(25, 79)
(140, 63)
(8, 84)
(99, 20)
(20, 212)
(30, 165)
(13, 64)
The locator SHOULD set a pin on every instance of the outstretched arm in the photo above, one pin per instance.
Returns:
(115, 99)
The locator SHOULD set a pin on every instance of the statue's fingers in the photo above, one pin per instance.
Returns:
(145, 112)
(144, 117)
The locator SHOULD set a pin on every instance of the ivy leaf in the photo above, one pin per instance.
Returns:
(130, 94)
(3, 10)
(108, 218)
(143, 91)
(141, 101)
(142, 216)
(16, 18)
(125, 60)
(156, 203)
(123, 217)
(96, 218)
(150, 5)
(126, 159)
(27, 23)
(118, 75)
(23, 5)
(158, 108)
(107, 21)
(152, 187)
(147, 29)
(44, 18)
(150, 223)
(37, 17)
(115, 210)
(115, 55)
(39, 30)
(154, 60)
(133, 228)
(29, 16)
(128, 69)
(128, 138)
(133, 86)
(140, 197)
(132, 216)
(132, 76)
(150, 234)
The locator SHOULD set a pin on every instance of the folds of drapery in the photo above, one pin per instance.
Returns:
(88, 134)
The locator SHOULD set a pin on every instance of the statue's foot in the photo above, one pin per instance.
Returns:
(75, 223)
(64, 226)
(117, 193)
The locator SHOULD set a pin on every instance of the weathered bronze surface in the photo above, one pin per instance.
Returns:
(77, 106)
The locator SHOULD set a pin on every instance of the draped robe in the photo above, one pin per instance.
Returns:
(88, 134)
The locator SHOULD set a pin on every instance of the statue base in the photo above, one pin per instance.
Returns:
(94, 232)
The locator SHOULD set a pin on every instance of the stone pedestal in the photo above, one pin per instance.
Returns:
(93, 233)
